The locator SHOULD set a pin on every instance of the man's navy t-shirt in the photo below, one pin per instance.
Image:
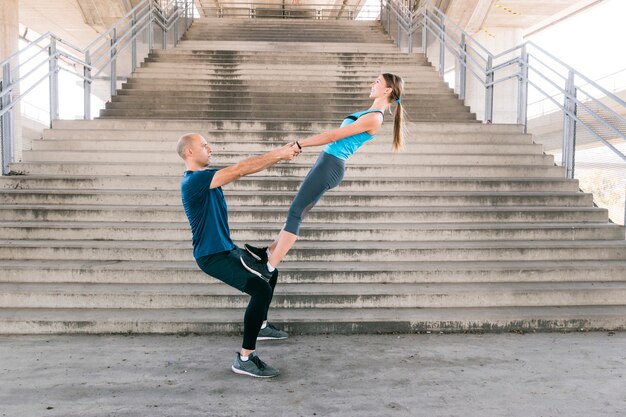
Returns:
(207, 213)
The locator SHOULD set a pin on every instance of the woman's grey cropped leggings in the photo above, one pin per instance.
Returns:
(327, 173)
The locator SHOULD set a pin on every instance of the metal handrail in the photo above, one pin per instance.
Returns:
(249, 9)
(100, 54)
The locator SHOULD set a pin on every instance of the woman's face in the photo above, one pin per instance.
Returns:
(378, 88)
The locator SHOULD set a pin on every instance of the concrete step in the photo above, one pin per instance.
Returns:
(338, 111)
(347, 48)
(314, 321)
(257, 36)
(306, 158)
(410, 70)
(293, 83)
(292, 169)
(328, 251)
(274, 76)
(221, 143)
(295, 296)
(263, 100)
(197, 59)
(333, 198)
(187, 272)
(243, 232)
(268, 115)
(286, 125)
(289, 183)
(437, 214)
(267, 139)
(248, 90)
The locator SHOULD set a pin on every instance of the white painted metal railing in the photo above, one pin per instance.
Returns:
(586, 107)
(43, 59)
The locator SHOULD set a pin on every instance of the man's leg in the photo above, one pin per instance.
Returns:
(269, 331)
(227, 267)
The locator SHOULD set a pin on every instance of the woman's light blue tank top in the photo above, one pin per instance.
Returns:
(345, 147)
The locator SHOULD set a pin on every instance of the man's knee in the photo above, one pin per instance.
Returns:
(258, 287)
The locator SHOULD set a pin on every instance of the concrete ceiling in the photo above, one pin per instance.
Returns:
(77, 21)
(81, 21)
(474, 15)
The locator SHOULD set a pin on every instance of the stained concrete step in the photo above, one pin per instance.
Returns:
(222, 143)
(291, 90)
(196, 59)
(159, 213)
(291, 169)
(228, 158)
(266, 139)
(328, 251)
(313, 124)
(295, 83)
(295, 296)
(314, 321)
(243, 232)
(256, 36)
(347, 48)
(409, 70)
(291, 183)
(187, 272)
(301, 99)
(274, 76)
(255, 114)
(194, 108)
(333, 198)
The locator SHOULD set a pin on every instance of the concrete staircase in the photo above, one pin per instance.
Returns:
(471, 228)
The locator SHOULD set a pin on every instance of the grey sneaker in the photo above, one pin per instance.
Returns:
(258, 268)
(254, 366)
(260, 254)
(271, 333)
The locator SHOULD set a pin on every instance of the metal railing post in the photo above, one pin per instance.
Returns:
(7, 131)
(410, 39)
(388, 19)
(489, 91)
(163, 37)
(462, 68)
(150, 34)
(87, 86)
(113, 63)
(442, 51)
(425, 34)
(569, 126)
(522, 103)
(398, 41)
(133, 46)
(176, 30)
(54, 80)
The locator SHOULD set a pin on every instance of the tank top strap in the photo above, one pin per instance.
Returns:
(372, 111)
(355, 116)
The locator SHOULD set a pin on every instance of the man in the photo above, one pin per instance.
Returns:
(215, 252)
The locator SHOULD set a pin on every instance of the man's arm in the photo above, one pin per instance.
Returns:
(253, 164)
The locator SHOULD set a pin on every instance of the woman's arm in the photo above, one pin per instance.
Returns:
(370, 121)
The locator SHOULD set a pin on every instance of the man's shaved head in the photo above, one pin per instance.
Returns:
(186, 142)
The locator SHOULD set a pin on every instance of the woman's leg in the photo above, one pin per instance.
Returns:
(281, 246)
(327, 173)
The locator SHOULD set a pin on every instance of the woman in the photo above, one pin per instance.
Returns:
(328, 171)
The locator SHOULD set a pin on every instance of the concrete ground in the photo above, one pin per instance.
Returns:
(576, 374)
